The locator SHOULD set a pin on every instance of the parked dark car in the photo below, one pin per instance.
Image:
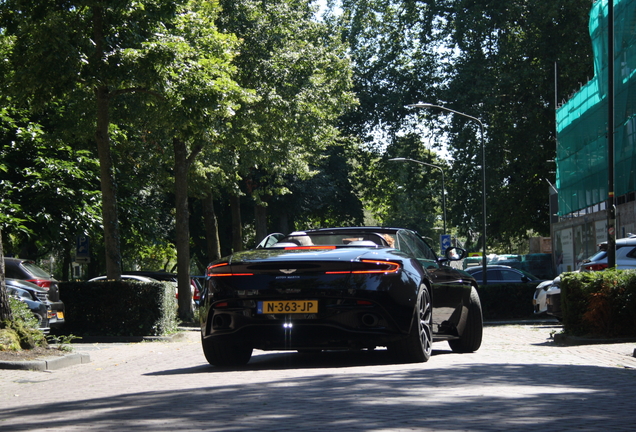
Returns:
(24, 269)
(503, 274)
(339, 288)
(49, 314)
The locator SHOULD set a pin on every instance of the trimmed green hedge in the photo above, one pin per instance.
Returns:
(599, 303)
(507, 301)
(122, 308)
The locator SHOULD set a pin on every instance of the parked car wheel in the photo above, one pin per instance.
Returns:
(417, 347)
(220, 353)
(470, 340)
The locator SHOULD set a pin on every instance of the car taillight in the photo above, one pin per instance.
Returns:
(596, 267)
(196, 295)
(224, 269)
(370, 267)
(46, 284)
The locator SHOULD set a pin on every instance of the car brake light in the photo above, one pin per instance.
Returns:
(46, 284)
(596, 267)
(371, 267)
(223, 269)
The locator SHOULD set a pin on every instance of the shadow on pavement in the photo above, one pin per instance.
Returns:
(474, 397)
(293, 360)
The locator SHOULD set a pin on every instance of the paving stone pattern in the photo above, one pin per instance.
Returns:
(518, 381)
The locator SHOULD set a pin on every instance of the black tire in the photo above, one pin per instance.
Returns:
(224, 354)
(417, 347)
(470, 340)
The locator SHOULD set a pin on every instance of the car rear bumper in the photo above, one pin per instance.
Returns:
(344, 328)
(303, 335)
(57, 315)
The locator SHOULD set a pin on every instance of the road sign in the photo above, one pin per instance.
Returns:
(445, 241)
(82, 250)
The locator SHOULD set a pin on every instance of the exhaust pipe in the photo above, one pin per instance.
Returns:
(370, 320)
(221, 321)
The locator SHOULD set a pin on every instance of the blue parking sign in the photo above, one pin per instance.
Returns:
(82, 250)
(445, 241)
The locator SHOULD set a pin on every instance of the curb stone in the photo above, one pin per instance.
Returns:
(49, 363)
(563, 339)
(130, 339)
(58, 362)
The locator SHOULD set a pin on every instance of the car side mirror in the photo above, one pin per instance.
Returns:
(454, 253)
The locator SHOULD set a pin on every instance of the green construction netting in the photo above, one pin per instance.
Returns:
(582, 166)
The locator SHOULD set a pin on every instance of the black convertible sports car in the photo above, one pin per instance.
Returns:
(339, 288)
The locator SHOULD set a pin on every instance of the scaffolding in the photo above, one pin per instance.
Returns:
(582, 165)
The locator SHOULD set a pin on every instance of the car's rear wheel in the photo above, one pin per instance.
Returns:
(470, 339)
(224, 354)
(417, 347)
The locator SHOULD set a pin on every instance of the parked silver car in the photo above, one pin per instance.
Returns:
(625, 256)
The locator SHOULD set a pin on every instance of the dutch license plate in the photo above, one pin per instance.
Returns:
(287, 306)
(60, 315)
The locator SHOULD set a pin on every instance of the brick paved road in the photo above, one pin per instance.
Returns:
(519, 380)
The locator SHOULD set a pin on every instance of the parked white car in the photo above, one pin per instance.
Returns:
(543, 299)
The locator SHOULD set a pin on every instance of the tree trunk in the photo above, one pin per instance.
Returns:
(211, 228)
(182, 229)
(260, 214)
(283, 223)
(5, 308)
(67, 263)
(109, 188)
(237, 229)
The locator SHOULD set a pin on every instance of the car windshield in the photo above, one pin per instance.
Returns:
(35, 270)
(597, 256)
(529, 276)
(368, 239)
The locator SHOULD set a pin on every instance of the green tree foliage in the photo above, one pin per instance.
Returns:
(395, 50)
(505, 75)
(302, 76)
(196, 96)
(491, 60)
(55, 185)
(325, 199)
(404, 193)
(85, 55)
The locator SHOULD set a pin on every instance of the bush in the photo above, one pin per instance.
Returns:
(119, 308)
(599, 303)
(22, 332)
(507, 301)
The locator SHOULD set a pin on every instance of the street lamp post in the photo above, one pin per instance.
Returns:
(483, 172)
(443, 188)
